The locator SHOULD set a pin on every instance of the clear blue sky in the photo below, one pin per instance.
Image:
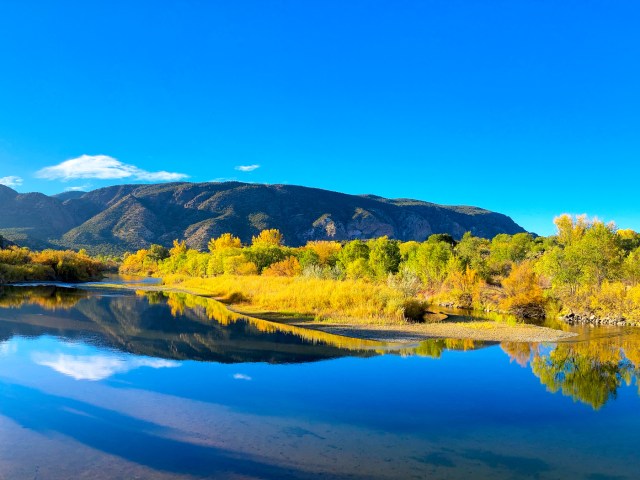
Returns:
(530, 108)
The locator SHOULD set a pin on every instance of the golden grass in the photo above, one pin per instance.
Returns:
(352, 301)
(218, 312)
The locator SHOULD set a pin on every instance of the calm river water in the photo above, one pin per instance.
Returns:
(98, 384)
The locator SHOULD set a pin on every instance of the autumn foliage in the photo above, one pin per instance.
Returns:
(588, 267)
(21, 264)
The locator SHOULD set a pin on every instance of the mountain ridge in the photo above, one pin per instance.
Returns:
(132, 216)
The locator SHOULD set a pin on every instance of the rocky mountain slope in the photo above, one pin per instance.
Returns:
(129, 217)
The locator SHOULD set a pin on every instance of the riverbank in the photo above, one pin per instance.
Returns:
(415, 332)
(275, 307)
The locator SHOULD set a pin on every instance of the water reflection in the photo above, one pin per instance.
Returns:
(139, 441)
(98, 384)
(97, 367)
(435, 347)
(590, 369)
(156, 329)
(48, 297)
(162, 325)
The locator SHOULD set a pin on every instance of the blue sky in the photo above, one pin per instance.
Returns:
(530, 108)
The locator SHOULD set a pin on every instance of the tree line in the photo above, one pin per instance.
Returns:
(588, 267)
(19, 264)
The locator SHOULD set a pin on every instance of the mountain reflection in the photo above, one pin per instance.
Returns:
(163, 325)
(160, 328)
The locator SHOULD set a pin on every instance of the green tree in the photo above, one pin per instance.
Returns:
(157, 253)
(352, 251)
(442, 237)
(430, 261)
(264, 254)
(629, 240)
(588, 253)
(384, 256)
(631, 267)
(600, 249)
(359, 268)
(308, 257)
(473, 253)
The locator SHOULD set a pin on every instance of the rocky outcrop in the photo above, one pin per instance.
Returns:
(591, 319)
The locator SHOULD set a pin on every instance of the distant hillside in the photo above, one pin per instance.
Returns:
(129, 217)
(4, 243)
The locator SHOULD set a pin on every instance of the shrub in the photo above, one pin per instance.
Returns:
(523, 294)
(414, 310)
(289, 267)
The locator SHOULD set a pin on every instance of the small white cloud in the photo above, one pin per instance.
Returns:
(79, 188)
(103, 167)
(247, 168)
(11, 181)
(223, 179)
(242, 376)
(97, 367)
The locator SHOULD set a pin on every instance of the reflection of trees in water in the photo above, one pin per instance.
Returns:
(212, 310)
(434, 347)
(47, 297)
(520, 352)
(182, 326)
(588, 371)
(168, 325)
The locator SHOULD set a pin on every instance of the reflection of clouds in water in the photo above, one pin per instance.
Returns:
(8, 348)
(97, 367)
(242, 376)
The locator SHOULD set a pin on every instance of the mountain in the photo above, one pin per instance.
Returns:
(71, 194)
(130, 217)
(4, 243)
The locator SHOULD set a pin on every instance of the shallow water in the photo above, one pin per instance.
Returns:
(113, 384)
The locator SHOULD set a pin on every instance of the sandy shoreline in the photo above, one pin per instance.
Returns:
(482, 330)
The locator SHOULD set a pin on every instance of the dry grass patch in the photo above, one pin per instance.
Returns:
(349, 300)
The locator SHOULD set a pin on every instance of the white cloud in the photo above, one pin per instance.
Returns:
(79, 188)
(247, 168)
(242, 376)
(11, 181)
(223, 179)
(97, 367)
(103, 167)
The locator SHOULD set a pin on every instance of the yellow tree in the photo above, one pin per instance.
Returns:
(524, 296)
(569, 229)
(327, 251)
(224, 241)
(271, 237)
(289, 267)
(179, 248)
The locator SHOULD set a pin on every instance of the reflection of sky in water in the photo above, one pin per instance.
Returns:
(86, 405)
(7, 348)
(96, 367)
(464, 414)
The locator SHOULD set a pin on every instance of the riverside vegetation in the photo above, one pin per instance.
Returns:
(21, 265)
(588, 271)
